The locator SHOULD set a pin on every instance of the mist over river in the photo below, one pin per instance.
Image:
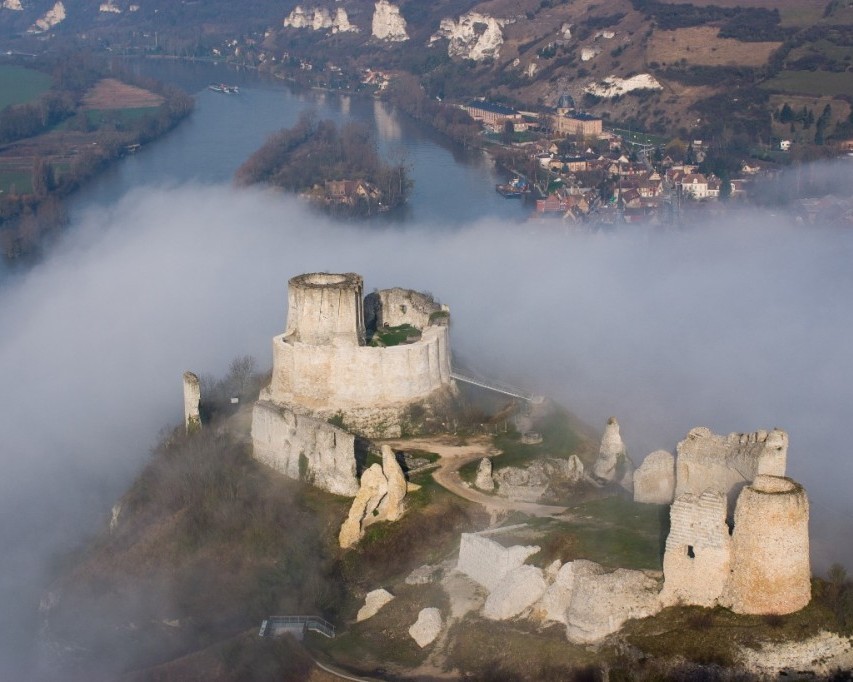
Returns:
(738, 325)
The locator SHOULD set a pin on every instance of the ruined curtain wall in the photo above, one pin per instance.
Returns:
(344, 377)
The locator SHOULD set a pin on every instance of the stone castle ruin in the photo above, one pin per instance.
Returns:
(349, 366)
(738, 527)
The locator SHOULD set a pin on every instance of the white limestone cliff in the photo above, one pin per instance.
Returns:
(613, 86)
(13, 5)
(388, 24)
(51, 18)
(474, 36)
(109, 8)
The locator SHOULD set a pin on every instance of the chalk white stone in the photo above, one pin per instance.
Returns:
(517, 591)
(484, 480)
(612, 460)
(396, 485)
(51, 18)
(474, 36)
(555, 602)
(192, 398)
(603, 600)
(613, 86)
(427, 627)
(388, 24)
(373, 489)
(487, 562)
(654, 481)
(373, 601)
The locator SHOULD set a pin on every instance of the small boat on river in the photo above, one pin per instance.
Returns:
(515, 188)
(224, 88)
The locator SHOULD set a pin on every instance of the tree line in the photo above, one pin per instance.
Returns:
(312, 152)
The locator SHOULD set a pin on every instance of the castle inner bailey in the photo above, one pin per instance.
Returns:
(333, 374)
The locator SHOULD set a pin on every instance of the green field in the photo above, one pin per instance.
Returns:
(98, 117)
(812, 82)
(19, 85)
(22, 181)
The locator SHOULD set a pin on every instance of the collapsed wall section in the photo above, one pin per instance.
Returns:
(697, 559)
(305, 448)
(487, 562)
(707, 461)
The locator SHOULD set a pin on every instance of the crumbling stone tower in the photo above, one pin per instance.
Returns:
(770, 548)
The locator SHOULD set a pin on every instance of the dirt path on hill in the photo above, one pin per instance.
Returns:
(454, 456)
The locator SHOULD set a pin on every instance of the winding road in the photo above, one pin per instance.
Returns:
(453, 456)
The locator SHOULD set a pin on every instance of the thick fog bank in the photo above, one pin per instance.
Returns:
(735, 326)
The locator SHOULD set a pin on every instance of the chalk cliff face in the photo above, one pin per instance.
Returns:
(613, 86)
(51, 18)
(109, 8)
(319, 19)
(474, 36)
(12, 4)
(388, 24)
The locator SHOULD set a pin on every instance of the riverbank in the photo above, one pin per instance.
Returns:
(101, 119)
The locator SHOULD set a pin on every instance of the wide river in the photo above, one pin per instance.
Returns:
(451, 185)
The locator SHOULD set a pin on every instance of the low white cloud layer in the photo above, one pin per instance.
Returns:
(735, 326)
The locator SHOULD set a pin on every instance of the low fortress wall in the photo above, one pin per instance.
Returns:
(340, 377)
(305, 448)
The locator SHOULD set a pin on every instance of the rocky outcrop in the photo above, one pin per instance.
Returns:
(388, 24)
(423, 575)
(707, 461)
(517, 591)
(589, 53)
(192, 398)
(487, 562)
(474, 36)
(603, 600)
(319, 19)
(612, 463)
(822, 654)
(109, 8)
(13, 5)
(484, 480)
(373, 489)
(373, 601)
(654, 481)
(770, 572)
(427, 627)
(51, 18)
(395, 483)
(613, 86)
(530, 483)
(379, 498)
(557, 598)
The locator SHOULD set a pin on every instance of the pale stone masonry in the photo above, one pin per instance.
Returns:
(192, 398)
(706, 461)
(698, 550)
(328, 385)
(770, 549)
(654, 481)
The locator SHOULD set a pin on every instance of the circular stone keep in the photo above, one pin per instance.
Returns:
(325, 309)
